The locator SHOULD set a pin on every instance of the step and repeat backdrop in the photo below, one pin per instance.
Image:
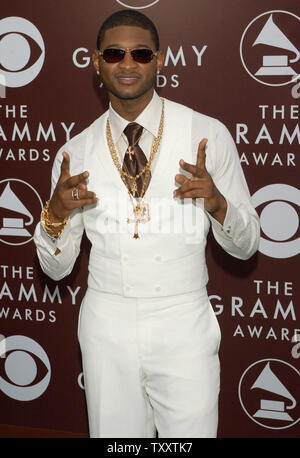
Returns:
(235, 60)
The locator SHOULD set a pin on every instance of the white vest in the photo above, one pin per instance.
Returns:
(169, 256)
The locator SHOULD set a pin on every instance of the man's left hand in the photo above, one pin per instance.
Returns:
(201, 185)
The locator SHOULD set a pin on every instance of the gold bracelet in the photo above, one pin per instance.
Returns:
(49, 226)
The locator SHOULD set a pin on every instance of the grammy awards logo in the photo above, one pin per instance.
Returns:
(20, 207)
(269, 48)
(267, 393)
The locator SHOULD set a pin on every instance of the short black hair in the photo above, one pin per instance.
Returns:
(128, 17)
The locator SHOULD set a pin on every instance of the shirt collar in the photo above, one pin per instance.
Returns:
(149, 118)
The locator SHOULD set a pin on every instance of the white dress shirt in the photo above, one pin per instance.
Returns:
(148, 119)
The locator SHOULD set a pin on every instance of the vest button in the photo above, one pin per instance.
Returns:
(158, 288)
(157, 258)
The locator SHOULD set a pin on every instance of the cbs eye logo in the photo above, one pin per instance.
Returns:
(20, 44)
(136, 4)
(24, 360)
(279, 220)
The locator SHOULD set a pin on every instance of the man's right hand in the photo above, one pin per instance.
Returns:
(62, 203)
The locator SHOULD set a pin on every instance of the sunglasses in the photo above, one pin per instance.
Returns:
(115, 55)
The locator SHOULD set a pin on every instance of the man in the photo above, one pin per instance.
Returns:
(148, 335)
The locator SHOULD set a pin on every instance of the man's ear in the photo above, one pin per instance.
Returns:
(160, 58)
(95, 59)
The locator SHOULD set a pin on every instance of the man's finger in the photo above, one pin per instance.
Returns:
(84, 195)
(74, 181)
(65, 167)
(201, 155)
(193, 169)
(179, 178)
(82, 186)
(190, 185)
(81, 203)
(193, 193)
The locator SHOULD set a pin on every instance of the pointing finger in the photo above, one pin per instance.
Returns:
(65, 167)
(201, 155)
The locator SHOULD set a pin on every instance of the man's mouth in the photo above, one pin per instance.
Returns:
(127, 79)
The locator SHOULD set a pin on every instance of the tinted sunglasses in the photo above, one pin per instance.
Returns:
(140, 55)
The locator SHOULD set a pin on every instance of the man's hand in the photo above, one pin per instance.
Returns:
(62, 204)
(201, 185)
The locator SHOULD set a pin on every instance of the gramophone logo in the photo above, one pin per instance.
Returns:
(267, 393)
(20, 209)
(270, 48)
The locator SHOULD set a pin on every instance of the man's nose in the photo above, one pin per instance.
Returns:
(128, 61)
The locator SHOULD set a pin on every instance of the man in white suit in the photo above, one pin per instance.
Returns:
(146, 181)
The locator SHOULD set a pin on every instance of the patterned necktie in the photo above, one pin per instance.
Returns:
(135, 159)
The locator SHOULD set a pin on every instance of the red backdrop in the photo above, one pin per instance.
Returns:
(236, 61)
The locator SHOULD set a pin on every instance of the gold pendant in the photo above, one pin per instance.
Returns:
(142, 212)
(130, 152)
(134, 188)
(136, 234)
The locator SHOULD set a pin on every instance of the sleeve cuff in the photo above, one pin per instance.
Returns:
(55, 242)
(227, 229)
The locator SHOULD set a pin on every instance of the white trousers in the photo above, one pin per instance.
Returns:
(150, 364)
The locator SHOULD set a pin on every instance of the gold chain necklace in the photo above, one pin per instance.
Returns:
(141, 209)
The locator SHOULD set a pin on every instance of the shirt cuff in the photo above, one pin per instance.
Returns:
(55, 242)
(227, 228)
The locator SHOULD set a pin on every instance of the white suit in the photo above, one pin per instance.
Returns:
(148, 335)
